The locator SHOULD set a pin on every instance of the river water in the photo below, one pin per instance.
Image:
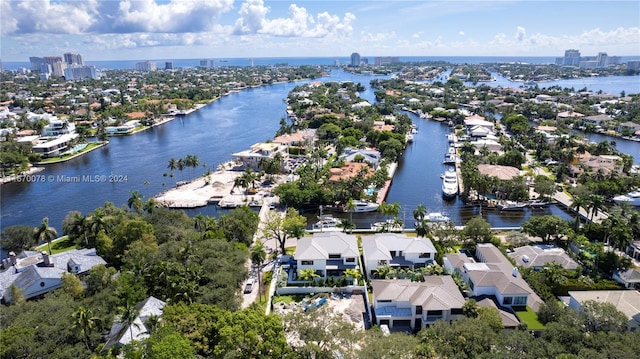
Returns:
(213, 133)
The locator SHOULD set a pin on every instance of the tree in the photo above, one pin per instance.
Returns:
(128, 317)
(595, 204)
(239, 225)
(577, 203)
(135, 201)
(308, 275)
(85, 322)
(258, 256)
(544, 186)
(546, 227)
(17, 238)
(478, 230)
(281, 227)
(603, 316)
(354, 274)
(470, 308)
(44, 233)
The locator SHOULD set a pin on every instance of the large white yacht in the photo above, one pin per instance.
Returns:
(450, 184)
(364, 206)
(633, 198)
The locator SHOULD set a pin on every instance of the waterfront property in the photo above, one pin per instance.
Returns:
(329, 254)
(397, 251)
(54, 147)
(537, 257)
(402, 304)
(252, 157)
(122, 333)
(629, 278)
(493, 275)
(37, 273)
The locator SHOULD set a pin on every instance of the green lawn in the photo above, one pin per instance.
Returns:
(58, 246)
(528, 316)
(90, 146)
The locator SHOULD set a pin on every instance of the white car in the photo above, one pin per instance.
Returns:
(248, 288)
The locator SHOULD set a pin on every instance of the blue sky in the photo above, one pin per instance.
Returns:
(162, 29)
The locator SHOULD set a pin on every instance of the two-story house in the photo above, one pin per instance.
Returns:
(396, 250)
(37, 273)
(328, 253)
(493, 275)
(251, 158)
(405, 305)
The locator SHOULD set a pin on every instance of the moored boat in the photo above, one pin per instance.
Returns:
(632, 198)
(511, 206)
(449, 184)
(327, 223)
(364, 206)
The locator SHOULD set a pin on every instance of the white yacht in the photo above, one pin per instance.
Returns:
(437, 217)
(450, 184)
(364, 206)
(327, 223)
(633, 198)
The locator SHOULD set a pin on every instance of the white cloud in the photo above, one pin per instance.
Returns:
(253, 20)
(521, 33)
(461, 33)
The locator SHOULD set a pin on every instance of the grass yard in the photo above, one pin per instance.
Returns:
(528, 316)
(58, 246)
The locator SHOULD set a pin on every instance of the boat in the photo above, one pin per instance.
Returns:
(538, 204)
(387, 226)
(632, 198)
(436, 217)
(364, 206)
(449, 184)
(450, 158)
(511, 206)
(227, 203)
(409, 138)
(327, 223)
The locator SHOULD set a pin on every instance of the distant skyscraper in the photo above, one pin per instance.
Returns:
(146, 66)
(385, 60)
(571, 57)
(203, 63)
(35, 63)
(73, 59)
(602, 59)
(355, 59)
(78, 72)
(168, 65)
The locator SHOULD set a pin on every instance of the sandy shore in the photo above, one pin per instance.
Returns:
(212, 188)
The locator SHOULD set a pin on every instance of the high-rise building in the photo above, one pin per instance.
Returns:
(168, 65)
(35, 63)
(602, 59)
(80, 72)
(571, 57)
(378, 61)
(73, 59)
(355, 59)
(633, 64)
(146, 66)
(203, 63)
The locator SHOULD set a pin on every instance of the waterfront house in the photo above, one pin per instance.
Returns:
(537, 257)
(477, 121)
(123, 129)
(55, 147)
(493, 275)
(328, 253)
(630, 278)
(606, 163)
(598, 120)
(397, 251)
(122, 334)
(405, 305)
(633, 250)
(303, 138)
(251, 158)
(349, 170)
(503, 173)
(626, 301)
(37, 273)
(371, 156)
(57, 127)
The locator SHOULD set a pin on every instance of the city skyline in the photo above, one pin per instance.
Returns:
(160, 29)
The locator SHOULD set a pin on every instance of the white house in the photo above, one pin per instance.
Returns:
(251, 158)
(405, 305)
(122, 334)
(396, 250)
(328, 253)
(372, 156)
(493, 275)
(37, 273)
(630, 279)
(537, 257)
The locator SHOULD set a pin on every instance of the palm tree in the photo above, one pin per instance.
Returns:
(200, 222)
(350, 206)
(44, 233)
(128, 318)
(347, 225)
(173, 164)
(420, 212)
(382, 271)
(258, 256)
(354, 274)
(577, 203)
(78, 227)
(150, 205)
(84, 322)
(135, 201)
(308, 274)
(596, 204)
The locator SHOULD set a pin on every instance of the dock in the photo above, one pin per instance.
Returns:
(566, 201)
(382, 193)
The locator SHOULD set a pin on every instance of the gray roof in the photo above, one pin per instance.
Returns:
(30, 267)
(535, 256)
(509, 320)
(379, 246)
(626, 301)
(630, 276)
(120, 334)
(322, 244)
(435, 293)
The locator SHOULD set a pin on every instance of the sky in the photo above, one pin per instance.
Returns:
(181, 29)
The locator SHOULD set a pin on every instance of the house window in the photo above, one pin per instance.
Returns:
(382, 263)
(507, 300)
(306, 263)
(471, 285)
(456, 311)
(334, 256)
(393, 253)
(520, 300)
(418, 309)
(350, 260)
(384, 301)
(425, 255)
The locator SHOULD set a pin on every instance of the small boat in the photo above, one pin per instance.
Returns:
(511, 206)
(228, 204)
(449, 184)
(364, 206)
(409, 138)
(437, 217)
(450, 158)
(538, 204)
(632, 198)
(387, 226)
(327, 223)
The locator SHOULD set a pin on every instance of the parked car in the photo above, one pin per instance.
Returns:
(248, 288)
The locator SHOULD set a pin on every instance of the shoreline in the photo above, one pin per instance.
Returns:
(77, 154)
